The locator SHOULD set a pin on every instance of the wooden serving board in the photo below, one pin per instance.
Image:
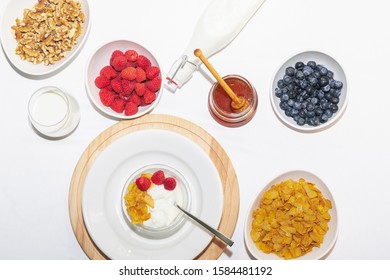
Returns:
(185, 128)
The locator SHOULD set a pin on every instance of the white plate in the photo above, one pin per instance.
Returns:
(14, 10)
(102, 195)
(330, 237)
(319, 58)
(99, 59)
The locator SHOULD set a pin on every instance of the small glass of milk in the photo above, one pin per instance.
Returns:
(50, 111)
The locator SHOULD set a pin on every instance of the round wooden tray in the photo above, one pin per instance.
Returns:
(152, 121)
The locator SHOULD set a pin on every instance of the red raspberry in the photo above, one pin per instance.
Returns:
(158, 177)
(106, 97)
(108, 72)
(129, 73)
(131, 55)
(131, 108)
(118, 105)
(135, 99)
(140, 89)
(149, 97)
(119, 63)
(143, 62)
(127, 86)
(116, 85)
(141, 75)
(125, 97)
(155, 84)
(169, 184)
(109, 87)
(143, 183)
(116, 53)
(102, 82)
(152, 72)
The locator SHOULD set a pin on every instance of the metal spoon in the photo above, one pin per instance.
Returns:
(225, 239)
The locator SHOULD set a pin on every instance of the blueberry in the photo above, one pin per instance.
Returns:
(319, 67)
(291, 87)
(309, 90)
(301, 121)
(292, 94)
(281, 84)
(310, 114)
(285, 97)
(324, 104)
(310, 107)
(318, 112)
(311, 64)
(294, 112)
(302, 114)
(333, 108)
(290, 102)
(287, 112)
(320, 94)
(328, 113)
(307, 70)
(323, 119)
(290, 71)
(299, 75)
(314, 100)
(328, 96)
(297, 105)
(338, 85)
(323, 71)
(317, 74)
(323, 81)
(304, 95)
(283, 105)
(337, 93)
(330, 74)
(316, 121)
(278, 92)
(326, 88)
(335, 100)
(304, 104)
(287, 79)
(299, 65)
(296, 117)
(284, 90)
(313, 81)
(303, 84)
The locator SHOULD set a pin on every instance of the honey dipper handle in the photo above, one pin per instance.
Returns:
(198, 53)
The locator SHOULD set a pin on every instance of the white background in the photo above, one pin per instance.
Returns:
(352, 157)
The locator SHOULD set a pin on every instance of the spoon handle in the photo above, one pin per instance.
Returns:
(225, 239)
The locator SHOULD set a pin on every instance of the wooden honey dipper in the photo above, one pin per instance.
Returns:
(239, 103)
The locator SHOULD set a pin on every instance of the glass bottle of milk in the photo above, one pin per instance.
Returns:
(216, 28)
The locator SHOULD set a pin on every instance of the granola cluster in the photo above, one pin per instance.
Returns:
(48, 30)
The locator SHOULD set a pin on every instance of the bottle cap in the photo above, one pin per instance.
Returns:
(180, 72)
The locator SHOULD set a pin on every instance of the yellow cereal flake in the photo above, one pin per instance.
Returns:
(291, 219)
(137, 203)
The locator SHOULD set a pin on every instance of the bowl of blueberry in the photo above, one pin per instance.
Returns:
(309, 92)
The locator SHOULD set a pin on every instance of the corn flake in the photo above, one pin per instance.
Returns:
(291, 219)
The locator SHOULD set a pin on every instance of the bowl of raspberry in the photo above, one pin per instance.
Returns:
(123, 80)
(309, 92)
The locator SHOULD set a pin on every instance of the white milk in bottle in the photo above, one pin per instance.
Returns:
(216, 28)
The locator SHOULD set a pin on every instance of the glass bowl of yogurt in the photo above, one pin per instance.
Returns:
(165, 218)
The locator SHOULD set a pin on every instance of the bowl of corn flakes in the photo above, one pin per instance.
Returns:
(149, 197)
(293, 217)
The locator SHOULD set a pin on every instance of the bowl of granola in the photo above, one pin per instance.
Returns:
(41, 37)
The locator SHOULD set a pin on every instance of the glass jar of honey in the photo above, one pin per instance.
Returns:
(220, 103)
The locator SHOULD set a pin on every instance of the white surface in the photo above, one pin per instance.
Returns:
(14, 9)
(103, 192)
(352, 157)
(330, 237)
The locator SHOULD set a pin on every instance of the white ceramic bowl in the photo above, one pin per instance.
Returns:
(99, 59)
(184, 195)
(14, 10)
(330, 236)
(320, 58)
